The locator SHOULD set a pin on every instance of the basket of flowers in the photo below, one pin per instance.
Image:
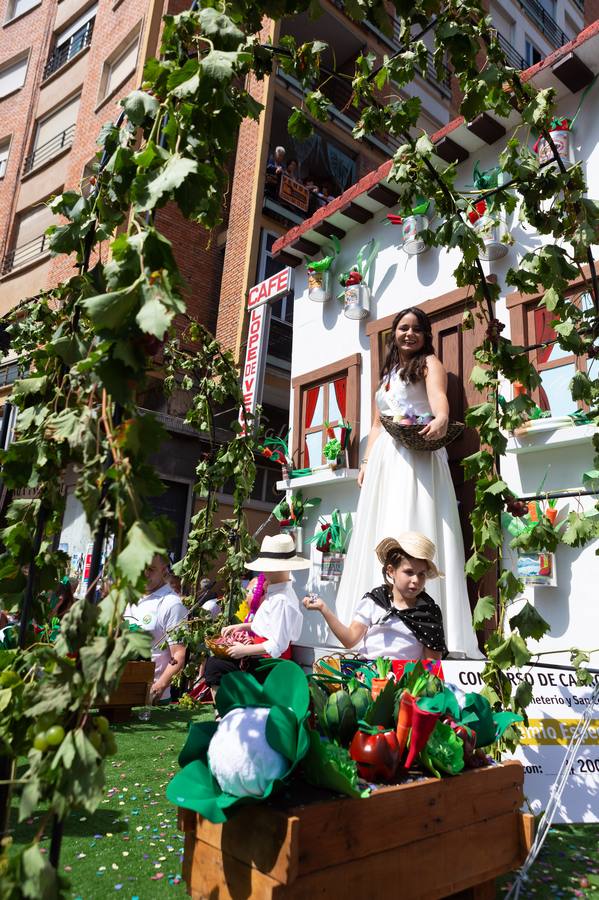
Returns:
(407, 432)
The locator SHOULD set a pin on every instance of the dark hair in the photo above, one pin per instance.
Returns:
(415, 369)
(394, 558)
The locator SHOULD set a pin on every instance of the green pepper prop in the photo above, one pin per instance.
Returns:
(376, 751)
(285, 695)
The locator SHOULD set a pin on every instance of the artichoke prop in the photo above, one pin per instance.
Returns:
(261, 738)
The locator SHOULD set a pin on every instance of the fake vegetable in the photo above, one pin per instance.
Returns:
(327, 765)
(239, 755)
(423, 723)
(376, 752)
(360, 698)
(339, 717)
(444, 751)
(404, 720)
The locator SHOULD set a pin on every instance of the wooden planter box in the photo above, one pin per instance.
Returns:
(419, 841)
(133, 690)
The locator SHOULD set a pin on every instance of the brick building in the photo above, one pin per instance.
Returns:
(64, 64)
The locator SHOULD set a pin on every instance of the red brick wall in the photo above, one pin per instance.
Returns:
(591, 11)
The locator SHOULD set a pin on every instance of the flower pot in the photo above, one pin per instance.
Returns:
(563, 144)
(356, 304)
(319, 286)
(332, 566)
(412, 243)
(491, 231)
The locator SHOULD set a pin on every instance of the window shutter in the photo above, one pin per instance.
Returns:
(53, 125)
(32, 225)
(82, 20)
(12, 77)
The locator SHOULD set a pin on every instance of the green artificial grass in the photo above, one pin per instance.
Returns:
(130, 847)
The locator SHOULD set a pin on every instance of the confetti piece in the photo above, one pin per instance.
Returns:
(125, 853)
(114, 866)
(157, 876)
(117, 887)
(81, 856)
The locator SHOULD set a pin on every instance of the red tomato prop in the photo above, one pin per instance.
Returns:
(377, 754)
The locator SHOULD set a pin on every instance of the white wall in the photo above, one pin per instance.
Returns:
(323, 335)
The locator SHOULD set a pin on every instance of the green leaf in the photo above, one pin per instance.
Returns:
(139, 551)
(529, 623)
(579, 530)
(523, 695)
(220, 27)
(484, 610)
(551, 298)
(498, 487)
(154, 318)
(27, 387)
(424, 145)
(140, 105)
(221, 64)
(152, 190)
(111, 310)
(477, 565)
(479, 377)
(511, 652)
(39, 878)
(298, 125)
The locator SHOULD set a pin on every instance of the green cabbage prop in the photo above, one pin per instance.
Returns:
(276, 712)
(444, 751)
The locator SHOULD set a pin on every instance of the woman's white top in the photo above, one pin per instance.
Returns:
(391, 639)
(402, 397)
(278, 619)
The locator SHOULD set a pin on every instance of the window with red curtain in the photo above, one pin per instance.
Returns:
(324, 406)
(556, 367)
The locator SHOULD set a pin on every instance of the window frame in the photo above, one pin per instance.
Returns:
(22, 57)
(133, 37)
(5, 142)
(350, 367)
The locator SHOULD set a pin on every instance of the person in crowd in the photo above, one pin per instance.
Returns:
(276, 162)
(63, 598)
(398, 619)
(159, 612)
(292, 170)
(277, 621)
(311, 184)
(324, 195)
(404, 489)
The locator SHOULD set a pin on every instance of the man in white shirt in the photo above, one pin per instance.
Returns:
(158, 612)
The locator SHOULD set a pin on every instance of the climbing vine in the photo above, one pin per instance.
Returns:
(86, 347)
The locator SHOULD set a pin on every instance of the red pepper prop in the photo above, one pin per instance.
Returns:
(404, 721)
(423, 723)
(473, 759)
(327, 545)
(376, 753)
(479, 210)
(353, 278)
(395, 220)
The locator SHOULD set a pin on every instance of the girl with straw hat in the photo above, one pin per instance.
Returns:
(277, 622)
(397, 620)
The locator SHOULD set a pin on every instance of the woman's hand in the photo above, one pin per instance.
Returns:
(238, 651)
(435, 429)
(228, 629)
(361, 474)
(314, 603)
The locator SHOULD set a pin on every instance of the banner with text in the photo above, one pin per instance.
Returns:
(557, 706)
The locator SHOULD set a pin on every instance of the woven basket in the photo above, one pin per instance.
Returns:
(408, 435)
(220, 650)
(341, 663)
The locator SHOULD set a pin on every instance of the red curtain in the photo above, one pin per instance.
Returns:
(544, 332)
(341, 394)
(311, 399)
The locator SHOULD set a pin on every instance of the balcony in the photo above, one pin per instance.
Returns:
(25, 254)
(66, 51)
(544, 22)
(515, 59)
(50, 149)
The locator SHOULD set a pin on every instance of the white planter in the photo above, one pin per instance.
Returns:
(491, 231)
(319, 286)
(563, 143)
(356, 304)
(412, 243)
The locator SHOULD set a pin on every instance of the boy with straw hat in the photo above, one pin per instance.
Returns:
(397, 620)
(277, 621)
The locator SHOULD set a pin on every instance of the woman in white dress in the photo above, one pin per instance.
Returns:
(410, 490)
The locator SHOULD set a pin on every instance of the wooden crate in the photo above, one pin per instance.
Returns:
(419, 841)
(133, 690)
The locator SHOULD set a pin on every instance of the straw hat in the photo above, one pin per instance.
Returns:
(413, 544)
(277, 554)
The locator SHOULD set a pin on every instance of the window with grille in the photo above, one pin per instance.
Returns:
(30, 240)
(72, 40)
(54, 133)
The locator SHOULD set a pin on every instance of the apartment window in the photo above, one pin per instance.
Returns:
(4, 151)
(549, 7)
(12, 76)
(533, 54)
(19, 7)
(120, 65)
(9, 372)
(71, 40)
(323, 398)
(30, 240)
(54, 133)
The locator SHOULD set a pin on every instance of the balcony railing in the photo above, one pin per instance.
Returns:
(24, 254)
(63, 53)
(50, 149)
(515, 59)
(544, 22)
(579, 4)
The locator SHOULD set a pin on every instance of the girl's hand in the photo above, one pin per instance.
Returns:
(238, 651)
(228, 629)
(313, 603)
(435, 429)
(361, 474)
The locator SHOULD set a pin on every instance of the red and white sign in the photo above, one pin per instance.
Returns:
(271, 288)
(255, 356)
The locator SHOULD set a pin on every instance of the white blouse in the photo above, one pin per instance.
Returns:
(393, 639)
(278, 619)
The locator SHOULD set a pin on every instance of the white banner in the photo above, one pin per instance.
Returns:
(556, 707)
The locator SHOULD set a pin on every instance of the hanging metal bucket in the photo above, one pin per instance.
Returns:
(563, 144)
(356, 304)
(319, 286)
(491, 231)
(412, 226)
